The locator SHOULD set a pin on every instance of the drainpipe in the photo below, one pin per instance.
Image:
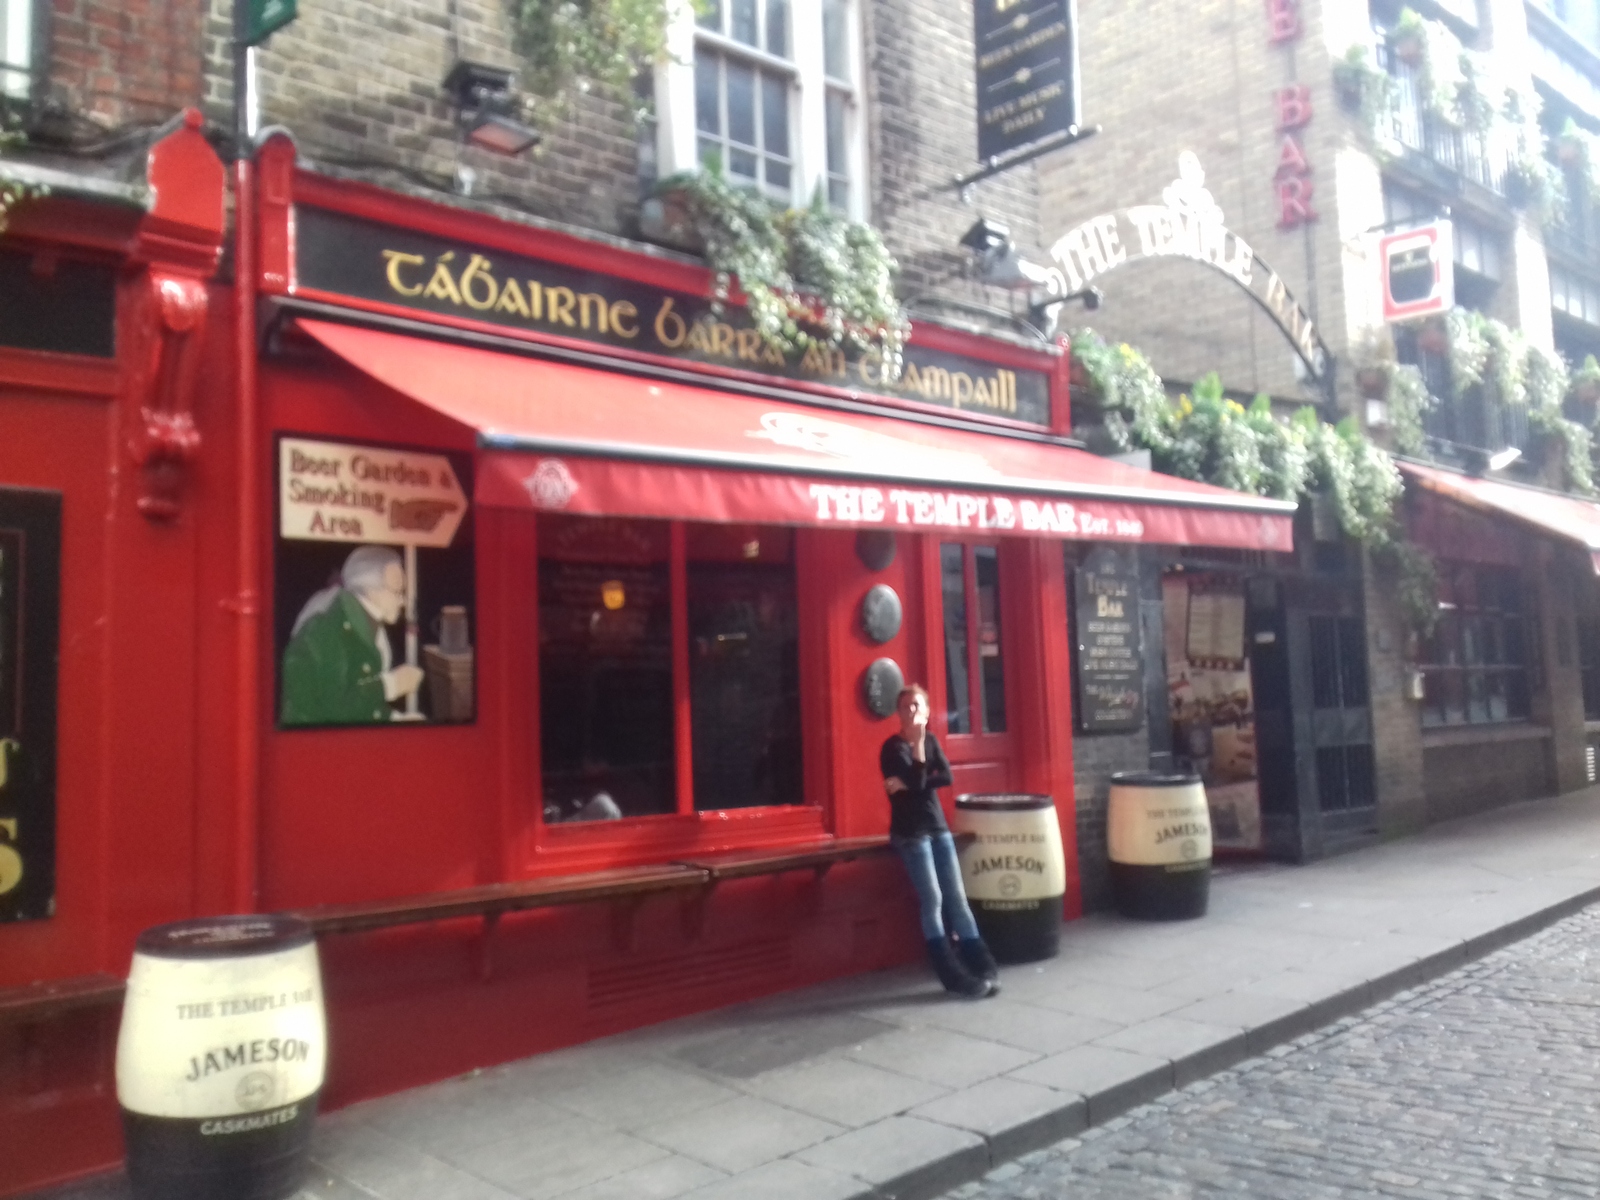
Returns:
(247, 603)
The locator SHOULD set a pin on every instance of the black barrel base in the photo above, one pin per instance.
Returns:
(245, 1156)
(1175, 892)
(1019, 931)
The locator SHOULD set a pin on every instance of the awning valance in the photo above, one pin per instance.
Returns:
(1567, 517)
(577, 440)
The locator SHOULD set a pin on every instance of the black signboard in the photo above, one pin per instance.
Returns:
(1027, 58)
(30, 615)
(1110, 674)
(348, 256)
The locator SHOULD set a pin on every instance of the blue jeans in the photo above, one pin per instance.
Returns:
(930, 860)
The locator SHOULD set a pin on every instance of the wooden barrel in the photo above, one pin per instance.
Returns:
(1158, 830)
(1014, 872)
(220, 1058)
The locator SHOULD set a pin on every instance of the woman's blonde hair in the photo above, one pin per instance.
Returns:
(913, 689)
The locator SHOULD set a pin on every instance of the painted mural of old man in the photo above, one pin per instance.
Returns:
(338, 668)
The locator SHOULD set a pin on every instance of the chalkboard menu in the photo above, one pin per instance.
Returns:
(1110, 675)
(1027, 59)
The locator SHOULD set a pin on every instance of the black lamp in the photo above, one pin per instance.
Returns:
(483, 99)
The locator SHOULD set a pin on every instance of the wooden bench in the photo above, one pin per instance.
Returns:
(53, 998)
(626, 888)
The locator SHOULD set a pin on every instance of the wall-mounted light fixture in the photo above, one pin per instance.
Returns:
(486, 109)
(999, 265)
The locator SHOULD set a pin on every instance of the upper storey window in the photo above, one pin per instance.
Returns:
(768, 89)
(16, 48)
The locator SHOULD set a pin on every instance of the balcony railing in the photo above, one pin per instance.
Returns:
(1462, 152)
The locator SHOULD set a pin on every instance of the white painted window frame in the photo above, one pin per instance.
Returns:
(16, 48)
(677, 138)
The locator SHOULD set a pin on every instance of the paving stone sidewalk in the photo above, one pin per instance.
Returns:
(1482, 1083)
(881, 1087)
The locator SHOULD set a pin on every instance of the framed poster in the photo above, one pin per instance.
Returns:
(374, 596)
(30, 620)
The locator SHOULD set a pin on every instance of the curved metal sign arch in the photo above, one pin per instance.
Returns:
(1186, 224)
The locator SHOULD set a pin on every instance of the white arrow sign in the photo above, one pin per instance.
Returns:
(333, 492)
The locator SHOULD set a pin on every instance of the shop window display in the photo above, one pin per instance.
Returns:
(1475, 663)
(622, 604)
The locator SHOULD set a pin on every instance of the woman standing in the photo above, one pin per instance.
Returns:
(914, 768)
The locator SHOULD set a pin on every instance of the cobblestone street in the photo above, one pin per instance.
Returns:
(1484, 1083)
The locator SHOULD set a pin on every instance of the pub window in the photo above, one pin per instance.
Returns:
(1475, 663)
(975, 689)
(641, 621)
(769, 90)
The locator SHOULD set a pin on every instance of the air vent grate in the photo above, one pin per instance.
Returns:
(662, 980)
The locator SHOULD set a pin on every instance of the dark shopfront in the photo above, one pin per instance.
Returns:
(563, 579)
(1254, 676)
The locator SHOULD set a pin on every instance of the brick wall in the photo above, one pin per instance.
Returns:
(358, 84)
(1174, 75)
(124, 62)
(921, 98)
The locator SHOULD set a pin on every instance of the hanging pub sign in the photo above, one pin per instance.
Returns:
(1110, 659)
(1027, 60)
(30, 614)
(372, 541)
(350, 257)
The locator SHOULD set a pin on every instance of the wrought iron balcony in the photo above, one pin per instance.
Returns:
(1470, 155)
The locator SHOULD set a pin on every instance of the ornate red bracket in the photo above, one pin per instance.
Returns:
(166, 441)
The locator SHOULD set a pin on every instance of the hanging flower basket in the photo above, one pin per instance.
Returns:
(1373, 381)
(1408, 48)
(668, 220)
(1434, 338)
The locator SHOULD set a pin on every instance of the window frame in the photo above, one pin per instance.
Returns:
(34, 16)
(1432, 711)
(677, 134)
(683, 820)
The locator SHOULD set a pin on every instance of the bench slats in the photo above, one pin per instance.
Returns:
(741, 864)
(501, 897)
(57, 996)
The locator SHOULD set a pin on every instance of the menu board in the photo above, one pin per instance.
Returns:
(1110, 662)
(1216, 626)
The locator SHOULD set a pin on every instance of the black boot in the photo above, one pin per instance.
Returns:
(978, 961)
(956, 978)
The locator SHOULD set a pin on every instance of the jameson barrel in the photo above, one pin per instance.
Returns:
(1159, 831)
(1014, 872)
(220, 1058)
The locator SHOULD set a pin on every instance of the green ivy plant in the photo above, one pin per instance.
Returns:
(13, 192)
(1207, 437)
(1409, 402)
(810, 276)
(569, 47)
(1367, 89)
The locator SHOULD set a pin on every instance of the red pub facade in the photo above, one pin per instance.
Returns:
(501, 600)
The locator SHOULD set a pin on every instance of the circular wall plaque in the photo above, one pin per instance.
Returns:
(880, 613)
(875, 548)
(880, 686)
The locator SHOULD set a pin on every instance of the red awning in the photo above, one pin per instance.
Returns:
(571, 439)
(1567, 517)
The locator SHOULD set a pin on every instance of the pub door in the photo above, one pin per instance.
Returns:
(1334, 766)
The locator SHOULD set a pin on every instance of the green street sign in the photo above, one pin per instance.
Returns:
(267, 17)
